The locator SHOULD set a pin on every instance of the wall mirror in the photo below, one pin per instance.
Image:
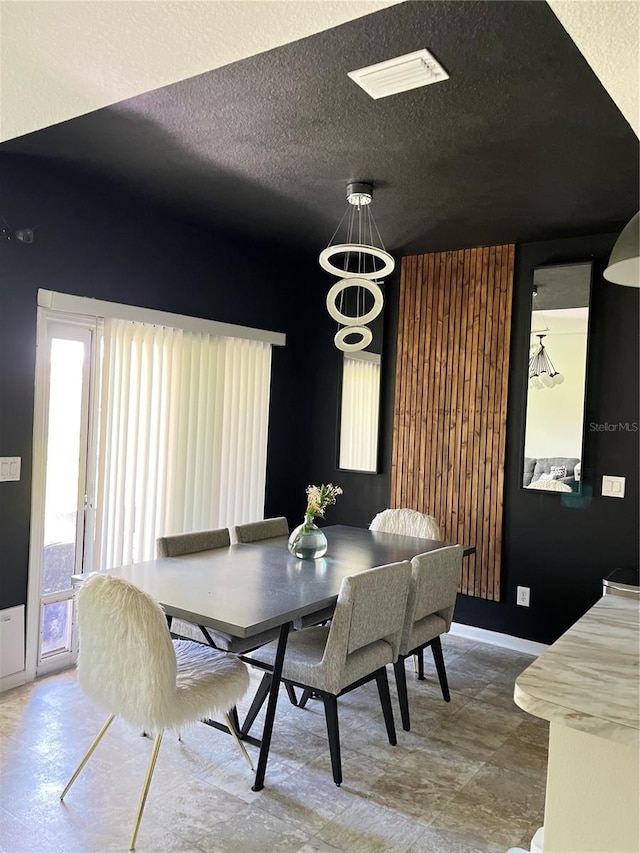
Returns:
(557, 367)
(359, 405)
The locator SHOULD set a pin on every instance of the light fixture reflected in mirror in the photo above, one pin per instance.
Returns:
(554, 421)
(542, 373)
(624, 263)
(356, 253)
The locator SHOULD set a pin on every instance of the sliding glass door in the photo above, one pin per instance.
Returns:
(64, 424)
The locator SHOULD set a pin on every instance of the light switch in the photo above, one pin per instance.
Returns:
(613, 487)
(10, 468)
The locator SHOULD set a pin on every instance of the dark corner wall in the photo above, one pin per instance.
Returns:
(93, 239)
(560, 552)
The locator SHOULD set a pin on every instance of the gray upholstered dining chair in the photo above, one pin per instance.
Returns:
(268, 528)
(363, 637)
(192, 543)
(128, 665)
(408, 522)
(432, 596)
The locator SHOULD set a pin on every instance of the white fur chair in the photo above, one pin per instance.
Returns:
(363, 638)
(432, 596)
(407, 522)
(129, 665)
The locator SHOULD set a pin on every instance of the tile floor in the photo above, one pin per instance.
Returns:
(469, 776)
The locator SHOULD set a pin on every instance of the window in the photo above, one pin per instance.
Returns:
(183, 436)
(146, 423)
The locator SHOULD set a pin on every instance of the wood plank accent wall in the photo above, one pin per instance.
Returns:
(450, 409)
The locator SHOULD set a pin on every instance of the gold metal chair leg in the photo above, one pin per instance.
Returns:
(241, 746)
(88, 754)
(145, 788)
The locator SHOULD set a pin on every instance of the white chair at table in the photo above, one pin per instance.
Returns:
(192, 543)
(362, 639)
(129, 665)
(407, 522)
(432, 596)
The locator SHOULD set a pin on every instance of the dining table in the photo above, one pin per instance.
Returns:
(245, 589)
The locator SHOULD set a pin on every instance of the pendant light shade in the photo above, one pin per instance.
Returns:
(624, 263)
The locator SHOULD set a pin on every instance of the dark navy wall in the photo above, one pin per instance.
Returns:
(92, 239)
(560, 552)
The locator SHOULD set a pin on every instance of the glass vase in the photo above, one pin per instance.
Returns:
(307, 541)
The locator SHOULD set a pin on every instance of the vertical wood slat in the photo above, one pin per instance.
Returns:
(451, 400)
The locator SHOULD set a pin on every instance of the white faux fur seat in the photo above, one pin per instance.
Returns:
(129, 665)
(407, 522)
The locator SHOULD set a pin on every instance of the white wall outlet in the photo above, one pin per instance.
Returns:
(10, 468)
(613, 487)
(522, 596)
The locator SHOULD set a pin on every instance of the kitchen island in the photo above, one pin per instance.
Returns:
(587, 685)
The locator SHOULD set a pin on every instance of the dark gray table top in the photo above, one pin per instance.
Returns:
(245, 589)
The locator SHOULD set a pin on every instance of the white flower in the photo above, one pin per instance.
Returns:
(320, 497)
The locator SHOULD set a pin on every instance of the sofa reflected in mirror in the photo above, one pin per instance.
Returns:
(557, 367)
(561, 470)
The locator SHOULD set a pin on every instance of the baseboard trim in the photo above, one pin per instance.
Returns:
(506, 641)
(17, 679)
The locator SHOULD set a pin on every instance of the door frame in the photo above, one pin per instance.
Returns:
(47, 318)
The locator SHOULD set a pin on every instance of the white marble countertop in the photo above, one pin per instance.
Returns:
(589, 679)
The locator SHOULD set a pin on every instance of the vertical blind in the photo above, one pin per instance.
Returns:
(183, 436)
(360, 408)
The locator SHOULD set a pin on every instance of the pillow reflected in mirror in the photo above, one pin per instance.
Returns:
(549, 485)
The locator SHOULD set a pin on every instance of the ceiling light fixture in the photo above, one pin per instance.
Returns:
(542, 373)
(624, 263)
(360, 259)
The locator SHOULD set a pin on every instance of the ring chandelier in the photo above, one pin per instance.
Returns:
(360, 261)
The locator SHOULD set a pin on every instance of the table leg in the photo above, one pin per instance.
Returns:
(258, 784)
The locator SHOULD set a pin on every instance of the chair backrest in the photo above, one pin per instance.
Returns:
(126, 662)
(370, 607)
(433, 588)
(191, 543)
(407, 522)
(255, 530)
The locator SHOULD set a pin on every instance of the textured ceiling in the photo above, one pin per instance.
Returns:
(521, 143)
(608, 35)
(63, 59)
